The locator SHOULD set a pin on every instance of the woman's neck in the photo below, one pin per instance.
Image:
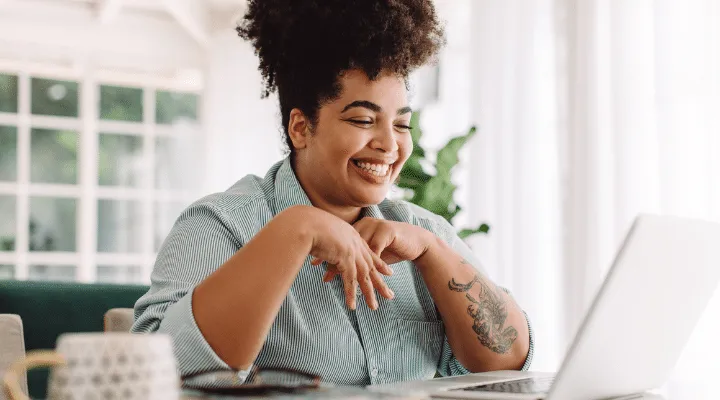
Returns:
(349, 214)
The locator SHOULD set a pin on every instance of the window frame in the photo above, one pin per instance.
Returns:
(87, 191)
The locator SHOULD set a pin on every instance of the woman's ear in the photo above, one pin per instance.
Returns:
(299, 128)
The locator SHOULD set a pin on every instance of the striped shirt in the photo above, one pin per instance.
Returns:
(314, 331)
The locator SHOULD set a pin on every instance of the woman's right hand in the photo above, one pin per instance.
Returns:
(337, 243)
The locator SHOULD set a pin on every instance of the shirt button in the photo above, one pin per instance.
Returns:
(374, 373)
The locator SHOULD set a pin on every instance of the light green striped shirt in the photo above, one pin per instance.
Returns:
(314, 330)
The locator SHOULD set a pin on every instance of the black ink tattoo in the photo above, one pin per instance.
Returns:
(489, 313)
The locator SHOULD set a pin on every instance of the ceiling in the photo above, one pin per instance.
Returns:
(158, 4)
(198, 17)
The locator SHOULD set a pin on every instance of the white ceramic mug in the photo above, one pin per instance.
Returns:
(102, 366)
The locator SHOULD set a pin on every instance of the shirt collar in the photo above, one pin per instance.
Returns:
(288, 191)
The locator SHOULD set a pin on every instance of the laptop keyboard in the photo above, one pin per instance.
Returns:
(528, 385)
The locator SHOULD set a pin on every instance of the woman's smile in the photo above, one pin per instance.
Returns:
(374, 172)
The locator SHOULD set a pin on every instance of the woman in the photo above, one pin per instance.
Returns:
(310, 267)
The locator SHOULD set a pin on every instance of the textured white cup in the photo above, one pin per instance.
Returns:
(110, 366)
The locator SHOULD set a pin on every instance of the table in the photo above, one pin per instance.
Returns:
(355, 394)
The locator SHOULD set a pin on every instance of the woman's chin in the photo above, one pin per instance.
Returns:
(371, 197)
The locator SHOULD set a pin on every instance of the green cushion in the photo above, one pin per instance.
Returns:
(49, 309)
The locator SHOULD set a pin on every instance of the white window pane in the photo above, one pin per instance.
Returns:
(119, 274)
(120, 160)
(173, 106)
(178, 163)
(7, 223)
(52, 224)
(121, 103)
(62, 273)
(120, 226)
(8, 93)
(53, 97)
(54, 156)
(166, 152)
(7, 271)
(8, 153)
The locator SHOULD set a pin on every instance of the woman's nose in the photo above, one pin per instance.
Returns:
(385, 140)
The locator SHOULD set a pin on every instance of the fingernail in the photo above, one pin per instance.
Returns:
(392, 294)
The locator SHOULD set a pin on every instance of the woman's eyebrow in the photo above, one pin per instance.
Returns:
(373, 107)
(364, 104)
(404, 110)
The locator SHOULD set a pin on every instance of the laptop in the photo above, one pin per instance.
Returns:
(632, 335)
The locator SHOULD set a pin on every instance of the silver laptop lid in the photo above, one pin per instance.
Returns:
(644, 313)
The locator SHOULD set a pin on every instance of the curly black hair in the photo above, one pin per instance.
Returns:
(304, 46)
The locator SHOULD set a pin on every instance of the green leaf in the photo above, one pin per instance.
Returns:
(483, 228)
(435, 196)
(415, 130)
(447, 157)
(412, 174)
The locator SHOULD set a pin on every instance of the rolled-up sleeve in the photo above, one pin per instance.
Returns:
(198, 244)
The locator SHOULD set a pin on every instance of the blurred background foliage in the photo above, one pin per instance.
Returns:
(428, 183)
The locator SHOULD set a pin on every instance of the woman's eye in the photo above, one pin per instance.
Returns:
(405, 128)
(360, 122)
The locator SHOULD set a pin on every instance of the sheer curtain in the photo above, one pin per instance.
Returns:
(590, 112)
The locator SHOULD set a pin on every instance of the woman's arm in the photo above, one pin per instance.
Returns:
(253, 284)
(486, 329)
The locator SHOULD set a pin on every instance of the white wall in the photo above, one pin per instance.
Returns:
(243, 130)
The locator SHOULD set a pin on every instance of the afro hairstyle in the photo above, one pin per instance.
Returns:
(304, 46)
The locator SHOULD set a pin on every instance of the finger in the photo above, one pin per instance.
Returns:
(381, 286)
(362, 224)
(349, 274)
(366, 284)
(366, 232)
(381, 265)
(381, 239)
(316, 261)
(330, 274)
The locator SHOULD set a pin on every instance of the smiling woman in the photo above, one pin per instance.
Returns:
(266, 274)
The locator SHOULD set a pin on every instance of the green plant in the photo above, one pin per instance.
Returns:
(436, 192)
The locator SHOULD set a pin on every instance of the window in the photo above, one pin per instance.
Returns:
(89, 184)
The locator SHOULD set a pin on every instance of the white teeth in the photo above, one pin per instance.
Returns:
(375, 169)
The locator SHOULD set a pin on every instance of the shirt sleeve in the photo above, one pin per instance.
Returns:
(197, 245)
(449, 365)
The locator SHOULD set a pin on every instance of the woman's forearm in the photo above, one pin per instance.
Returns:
(486, 329)
(236, 305)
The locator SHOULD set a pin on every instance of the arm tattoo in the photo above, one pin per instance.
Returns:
(489, 313)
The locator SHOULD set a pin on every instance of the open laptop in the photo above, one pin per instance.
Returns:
(632, 335)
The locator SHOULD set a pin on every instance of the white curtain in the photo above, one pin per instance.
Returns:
(590, 112)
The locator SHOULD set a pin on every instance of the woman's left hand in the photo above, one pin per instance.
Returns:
(392, 241)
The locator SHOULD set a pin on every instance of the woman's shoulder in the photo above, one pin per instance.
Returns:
(243, 193)
(250, 191)
(243, 207)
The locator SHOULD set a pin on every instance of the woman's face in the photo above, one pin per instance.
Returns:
(360, 142)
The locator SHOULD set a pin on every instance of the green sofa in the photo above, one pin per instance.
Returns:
(49, 309)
